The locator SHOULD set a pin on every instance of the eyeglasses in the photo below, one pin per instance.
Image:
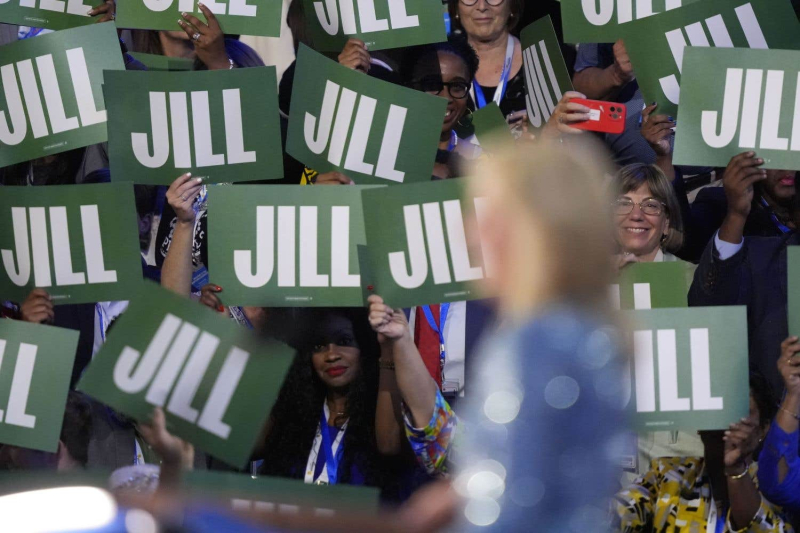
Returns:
(649, 206)
(494, 3)
(457, 89)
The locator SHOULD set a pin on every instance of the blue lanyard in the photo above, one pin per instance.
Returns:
(500, 93)
(331, 461)
(439, 329)
(783, 228)
(721, 521)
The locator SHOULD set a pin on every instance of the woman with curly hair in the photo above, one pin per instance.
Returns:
(322, 427)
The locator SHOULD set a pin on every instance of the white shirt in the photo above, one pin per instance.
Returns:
(726, 250)
(455, 331)
(104, 314)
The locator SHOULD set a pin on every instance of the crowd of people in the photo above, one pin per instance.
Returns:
(529, 389)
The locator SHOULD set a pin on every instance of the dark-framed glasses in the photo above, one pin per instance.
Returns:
(649, 206)
(432, 85)
(470, 3)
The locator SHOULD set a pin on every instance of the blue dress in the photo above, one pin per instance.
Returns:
(545, 428)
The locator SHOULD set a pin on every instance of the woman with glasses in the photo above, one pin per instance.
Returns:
(649, 227)
(500, 78)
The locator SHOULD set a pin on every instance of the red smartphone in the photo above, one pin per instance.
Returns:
(607, 117)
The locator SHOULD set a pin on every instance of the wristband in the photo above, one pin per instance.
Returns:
(738, 476)
(384, 365)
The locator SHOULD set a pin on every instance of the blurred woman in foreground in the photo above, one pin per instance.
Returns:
(547, 408)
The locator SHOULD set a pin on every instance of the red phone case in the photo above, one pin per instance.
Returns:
(606, 117)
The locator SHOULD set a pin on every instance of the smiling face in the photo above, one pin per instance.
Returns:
(484, 22)
(780, 185)
(639, 233)
(447, 68)
(336, 356)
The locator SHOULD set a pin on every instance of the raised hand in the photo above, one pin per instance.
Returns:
(181, 195)
(657, 130)
(37, 307)
(209, 41)
(105, 11)
(623, 68)
(390, 324)
(567, 113)
(169, 448)
(355, 55)
(741, 174)
(789, 366)
(741, 440)
(209, 298)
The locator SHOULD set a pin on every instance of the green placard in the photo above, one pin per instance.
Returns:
(652, 286)
(370, 130)
(603, 21)
(78, 242)
(240, 17)
(222, 125)
(379, 23)
(690, 368)
(53, 15)
(490, 128)
(35, 368)
(281, 495)
(739, 100)
(417, 248)
(793, 288)
(286, 246)
(158, 62)
(656, 44)
(51, 99)
(215, 381)
(546, 74)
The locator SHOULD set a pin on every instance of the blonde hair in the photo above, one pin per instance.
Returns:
(631, 177)
(558, 190)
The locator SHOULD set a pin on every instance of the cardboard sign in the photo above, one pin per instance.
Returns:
(35, 369)
(50, 14)
(50, 92)
(281, 495)
(793, 288)
(546, 74)
(690, 368)
(651, 286)
(222, 125)
(157, 62)
(77, 242)
(374, 132)
(603, 21)
(379, 23)
(286, 246)
(739, 100)
(215, 382)
(240, 17)
(401, 221)
(656, 44)
(490, 128)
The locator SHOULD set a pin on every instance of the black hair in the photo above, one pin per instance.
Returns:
(76, 429)
(428, 55)
(296, 21)
(295, 415)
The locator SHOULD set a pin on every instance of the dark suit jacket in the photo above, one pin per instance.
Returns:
(705, 218)
(755, 277)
